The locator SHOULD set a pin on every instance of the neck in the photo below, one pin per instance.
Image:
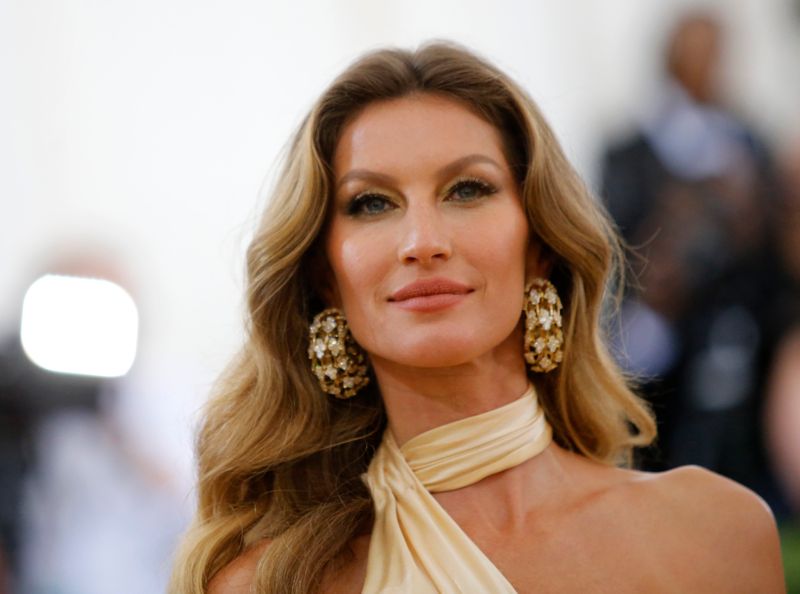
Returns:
(418, 399)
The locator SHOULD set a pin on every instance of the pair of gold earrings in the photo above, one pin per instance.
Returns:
(340, 366)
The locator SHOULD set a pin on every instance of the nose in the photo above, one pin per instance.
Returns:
(426, 238)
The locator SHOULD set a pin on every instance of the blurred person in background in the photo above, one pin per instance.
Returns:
(101, 514)
(694, 194)
(91, 501)
(28, 395)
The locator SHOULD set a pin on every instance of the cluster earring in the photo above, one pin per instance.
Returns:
(543, 336)
(336, 359)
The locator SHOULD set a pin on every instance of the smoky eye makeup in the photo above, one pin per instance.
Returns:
(368, 203)
(469, 188)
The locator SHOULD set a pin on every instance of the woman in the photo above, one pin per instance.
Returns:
(395, 423)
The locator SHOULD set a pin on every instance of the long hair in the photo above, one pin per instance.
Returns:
(279, 459)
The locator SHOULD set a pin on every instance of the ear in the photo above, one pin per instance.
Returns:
(538, 261)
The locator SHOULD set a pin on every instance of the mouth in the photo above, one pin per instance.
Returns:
(430, 294)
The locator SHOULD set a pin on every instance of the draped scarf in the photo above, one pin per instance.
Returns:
(416, 547)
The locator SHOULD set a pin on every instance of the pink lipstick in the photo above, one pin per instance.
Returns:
(429, 295)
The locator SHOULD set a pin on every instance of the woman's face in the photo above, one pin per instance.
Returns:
(427, 238)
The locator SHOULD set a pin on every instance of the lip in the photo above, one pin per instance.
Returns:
(430, 294)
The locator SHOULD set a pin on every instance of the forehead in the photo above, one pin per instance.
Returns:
(412, 131)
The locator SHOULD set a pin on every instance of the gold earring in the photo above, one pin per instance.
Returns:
(336, 359)
(543, 337)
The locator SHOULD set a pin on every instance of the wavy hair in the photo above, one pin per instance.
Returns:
(279, 459)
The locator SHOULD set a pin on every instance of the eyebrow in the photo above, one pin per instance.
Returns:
(446, 171)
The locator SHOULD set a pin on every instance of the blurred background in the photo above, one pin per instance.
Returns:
(135, 142)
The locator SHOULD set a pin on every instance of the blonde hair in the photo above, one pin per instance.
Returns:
(278, 458)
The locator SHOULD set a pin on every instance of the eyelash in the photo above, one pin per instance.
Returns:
(357, 204)
(484, 187)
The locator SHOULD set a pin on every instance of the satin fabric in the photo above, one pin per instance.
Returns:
(416, 547)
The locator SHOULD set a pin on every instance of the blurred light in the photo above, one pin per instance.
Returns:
(81, 326)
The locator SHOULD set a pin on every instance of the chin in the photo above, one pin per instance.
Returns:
(436, 351)
(433, 360)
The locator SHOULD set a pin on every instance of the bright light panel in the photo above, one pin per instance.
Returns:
(82, 326)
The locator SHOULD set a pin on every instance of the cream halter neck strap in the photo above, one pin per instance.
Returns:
(416, 547)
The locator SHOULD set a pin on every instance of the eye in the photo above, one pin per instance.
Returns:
(467, 190)
(369, 204)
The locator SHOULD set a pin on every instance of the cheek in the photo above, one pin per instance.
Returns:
(506, 258)
(502, 250)
(357, 263)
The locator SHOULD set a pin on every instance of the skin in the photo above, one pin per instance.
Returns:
(558, 522)
(694, 57)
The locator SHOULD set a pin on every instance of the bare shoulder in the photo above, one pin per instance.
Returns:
(703, 519)
(709, 500)
(237, 576)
